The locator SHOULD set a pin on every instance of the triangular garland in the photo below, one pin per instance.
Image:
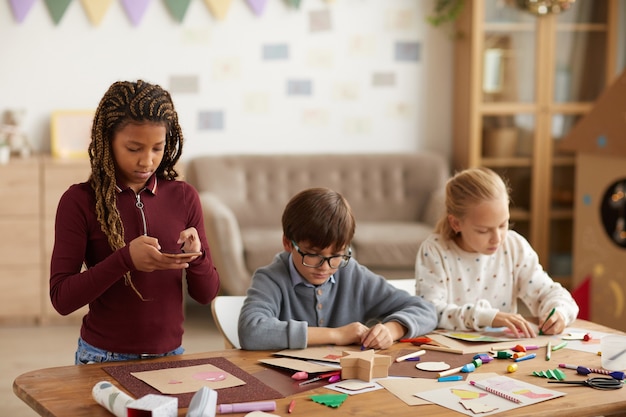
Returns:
(178, 8)
(135, 9)
(257, 6)
(96, 9)
(57, 9)
(219, 8)
(294, 3)
(21, 8)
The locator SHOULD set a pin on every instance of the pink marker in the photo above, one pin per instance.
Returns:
(247, 407)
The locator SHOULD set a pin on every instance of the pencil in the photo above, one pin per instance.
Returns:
(410, 355)
(496, 392)
(549, 350)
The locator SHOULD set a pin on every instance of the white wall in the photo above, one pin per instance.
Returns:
(69, 66)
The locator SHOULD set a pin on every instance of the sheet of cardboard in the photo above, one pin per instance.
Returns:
(407, 388)
(188, 379)
(463, 347)
(328, 353)
(298, 365)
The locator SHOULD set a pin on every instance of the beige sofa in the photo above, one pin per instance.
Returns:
(396, 199)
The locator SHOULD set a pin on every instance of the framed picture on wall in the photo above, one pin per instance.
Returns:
(70, 133)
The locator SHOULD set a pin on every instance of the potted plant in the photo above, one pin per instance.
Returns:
(445, 11)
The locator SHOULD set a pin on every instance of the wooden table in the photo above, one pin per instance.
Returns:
(66, 391)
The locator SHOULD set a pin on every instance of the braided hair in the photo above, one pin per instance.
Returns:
(128, 103)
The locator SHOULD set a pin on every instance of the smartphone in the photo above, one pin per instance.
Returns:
(182, 254)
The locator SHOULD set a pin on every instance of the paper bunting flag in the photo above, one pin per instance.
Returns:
(95, 9)
(219, 8)
(57, 9)
(294, 3)
(21, 8)
(178, 8)
(331, 400)
(135, 9)
(257, 6)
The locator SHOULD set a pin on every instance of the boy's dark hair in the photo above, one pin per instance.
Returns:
(127, 103)
(320, 216)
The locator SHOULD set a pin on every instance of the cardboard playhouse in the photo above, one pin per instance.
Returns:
(599, 261)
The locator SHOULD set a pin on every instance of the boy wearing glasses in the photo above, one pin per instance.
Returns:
(314, 293)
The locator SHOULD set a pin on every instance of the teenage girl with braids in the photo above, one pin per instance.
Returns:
(121, 224)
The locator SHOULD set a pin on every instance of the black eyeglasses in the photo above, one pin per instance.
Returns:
(315, 261)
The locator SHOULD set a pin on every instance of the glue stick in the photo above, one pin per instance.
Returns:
(111, 398)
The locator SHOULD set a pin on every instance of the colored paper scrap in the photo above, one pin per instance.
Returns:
(257, 6)
(219, 8)
(331, 400)
(135, 9)
(551, 374)
(21, 8)
(95, 9)
(178, 8)
(57, 9)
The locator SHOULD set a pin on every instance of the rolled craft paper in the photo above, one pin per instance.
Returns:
(111, 398)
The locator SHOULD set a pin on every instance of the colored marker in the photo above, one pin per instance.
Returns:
(247, 407)
(410, 355)
(548, 350)
(559, 346)
(583, 370)
(292, 405)
(450, 378)
(546, 320)
(525, 358)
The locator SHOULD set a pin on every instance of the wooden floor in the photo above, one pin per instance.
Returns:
(25, 349)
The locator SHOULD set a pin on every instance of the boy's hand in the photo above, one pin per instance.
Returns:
(382, 336)
(349, 334)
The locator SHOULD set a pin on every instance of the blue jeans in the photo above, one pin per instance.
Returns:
(87, 353)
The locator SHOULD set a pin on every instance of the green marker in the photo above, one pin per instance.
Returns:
(547, 318)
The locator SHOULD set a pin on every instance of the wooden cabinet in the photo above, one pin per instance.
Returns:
(20, 251)
(57, 176)
(29, 193)
(521, 83)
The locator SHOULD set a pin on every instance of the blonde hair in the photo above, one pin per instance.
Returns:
(465, 190)
(125, 103)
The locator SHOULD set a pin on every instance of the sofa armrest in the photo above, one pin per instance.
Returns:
(224, 237)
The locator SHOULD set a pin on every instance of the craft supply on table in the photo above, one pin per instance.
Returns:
(551, 374)
(549, 350)
(511, 368)
(559, 346)
(247, 407)
(111, 398)
(203, 403)
(323, 376)
(603, 383)
(450, 378)
(468, 367)
(495, 391)
(411, 356)
(583, 370)
(432, 366)
(292, 406)
(525, 357)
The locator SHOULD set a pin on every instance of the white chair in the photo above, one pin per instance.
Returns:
(225, 310)
(407, 285)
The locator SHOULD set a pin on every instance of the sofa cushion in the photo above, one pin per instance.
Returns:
(389, 245)
(261, 245)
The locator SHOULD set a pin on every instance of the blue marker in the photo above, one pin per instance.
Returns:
(523, 358)
(450, 378)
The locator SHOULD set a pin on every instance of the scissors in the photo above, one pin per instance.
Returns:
(597, 383)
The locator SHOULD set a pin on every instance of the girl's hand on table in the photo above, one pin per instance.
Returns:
(515, 322)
